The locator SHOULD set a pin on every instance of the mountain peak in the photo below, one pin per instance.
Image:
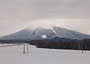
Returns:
(37, 33)
(41, 27)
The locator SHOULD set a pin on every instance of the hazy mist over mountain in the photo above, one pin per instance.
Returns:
(18, 14)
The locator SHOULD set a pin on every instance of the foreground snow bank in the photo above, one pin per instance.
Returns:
(14, 55)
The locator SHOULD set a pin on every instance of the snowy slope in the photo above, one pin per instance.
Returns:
(35, 34)
(65, 33)
(14, 55)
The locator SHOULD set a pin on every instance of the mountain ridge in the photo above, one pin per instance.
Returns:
(49, 33)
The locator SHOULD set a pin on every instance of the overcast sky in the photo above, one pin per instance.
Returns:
(18, 14)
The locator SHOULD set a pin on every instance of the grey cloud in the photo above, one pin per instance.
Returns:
(35, 9)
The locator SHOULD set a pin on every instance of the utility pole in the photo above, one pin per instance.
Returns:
(85, 47)
(27, 48)
(82, 47)
(24, 48)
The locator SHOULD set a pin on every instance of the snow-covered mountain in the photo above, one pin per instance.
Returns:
(44, 33)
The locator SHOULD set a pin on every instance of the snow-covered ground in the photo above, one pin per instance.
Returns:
(14, 55)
